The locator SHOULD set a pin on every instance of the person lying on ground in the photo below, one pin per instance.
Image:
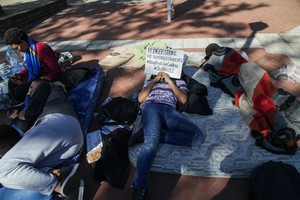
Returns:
(162, 123)
(54, 138)
(49, 99)
(40, 60)
(252, 88)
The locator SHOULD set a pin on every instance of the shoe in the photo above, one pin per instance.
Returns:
(292, 71)
(139, 194)
(69, 179)
(278, 74)
(286, 137)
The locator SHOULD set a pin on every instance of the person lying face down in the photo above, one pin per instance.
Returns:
(53, 139)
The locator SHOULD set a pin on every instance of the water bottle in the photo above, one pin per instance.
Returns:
(14, 59)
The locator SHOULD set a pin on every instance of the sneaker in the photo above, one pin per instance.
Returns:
(292, 71)
(278, 75)
(70, 180)
(139, 194)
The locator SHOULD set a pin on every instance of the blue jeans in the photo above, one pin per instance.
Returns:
(162, 124)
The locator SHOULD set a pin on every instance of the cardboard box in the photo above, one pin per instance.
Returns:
(94, 146)
(118, 57)
(134, 62)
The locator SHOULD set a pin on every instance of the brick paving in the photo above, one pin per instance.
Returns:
(267, 30)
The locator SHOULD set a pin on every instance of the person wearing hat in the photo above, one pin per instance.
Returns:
(252, 88)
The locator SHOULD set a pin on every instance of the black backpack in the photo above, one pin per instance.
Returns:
(121, 110)
(275, 181)
(114, 165)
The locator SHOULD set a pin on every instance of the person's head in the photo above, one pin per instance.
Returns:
(37, 84)
(211, 48)
(8, 138)
(17, 38)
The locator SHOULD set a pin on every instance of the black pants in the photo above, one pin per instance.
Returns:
(18, 92)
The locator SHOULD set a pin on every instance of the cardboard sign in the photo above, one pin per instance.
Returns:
(164, 60)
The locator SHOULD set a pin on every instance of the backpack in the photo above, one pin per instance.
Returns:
(275, 181)
(72, 77)
(121, 110)
(114, 166)
(197, 102)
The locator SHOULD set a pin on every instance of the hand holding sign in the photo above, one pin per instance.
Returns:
(162, 76)
(164, 60)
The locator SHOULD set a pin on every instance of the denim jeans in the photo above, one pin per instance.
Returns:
(162, 124)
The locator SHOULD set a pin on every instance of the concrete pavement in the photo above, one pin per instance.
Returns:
(267, 30)
(286, 43)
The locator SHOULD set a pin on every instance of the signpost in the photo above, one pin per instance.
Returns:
(164, 60)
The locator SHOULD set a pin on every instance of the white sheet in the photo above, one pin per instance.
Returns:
(228, 151)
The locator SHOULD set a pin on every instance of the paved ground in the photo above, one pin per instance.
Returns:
(267, 30)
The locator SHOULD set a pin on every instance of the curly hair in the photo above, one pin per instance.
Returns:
(15, 35)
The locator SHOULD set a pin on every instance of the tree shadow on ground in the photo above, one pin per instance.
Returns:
(183, 8)
(145, 20)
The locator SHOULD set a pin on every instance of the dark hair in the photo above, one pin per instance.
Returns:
(211, 48)
(8, 138)
(15, 35)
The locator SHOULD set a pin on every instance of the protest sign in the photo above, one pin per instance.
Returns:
(164, 60)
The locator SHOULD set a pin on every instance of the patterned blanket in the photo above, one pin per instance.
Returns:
(228, 151)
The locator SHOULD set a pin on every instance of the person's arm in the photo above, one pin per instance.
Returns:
(181, 95)
(51, 69)
(37, 102)
(146, 90)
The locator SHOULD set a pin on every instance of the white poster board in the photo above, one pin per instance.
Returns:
(164, 60)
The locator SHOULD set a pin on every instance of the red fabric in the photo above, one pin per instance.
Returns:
(232, 64)
(260, 123)
(237, 97)
(49, 62)
(262, 99)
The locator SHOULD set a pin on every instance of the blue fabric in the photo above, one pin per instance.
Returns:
(32, 61)
(162, 123)
(13, 194)
(85, 97)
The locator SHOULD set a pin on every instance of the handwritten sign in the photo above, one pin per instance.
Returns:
(164, 60)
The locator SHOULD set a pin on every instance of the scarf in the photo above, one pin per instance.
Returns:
(32, 61)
